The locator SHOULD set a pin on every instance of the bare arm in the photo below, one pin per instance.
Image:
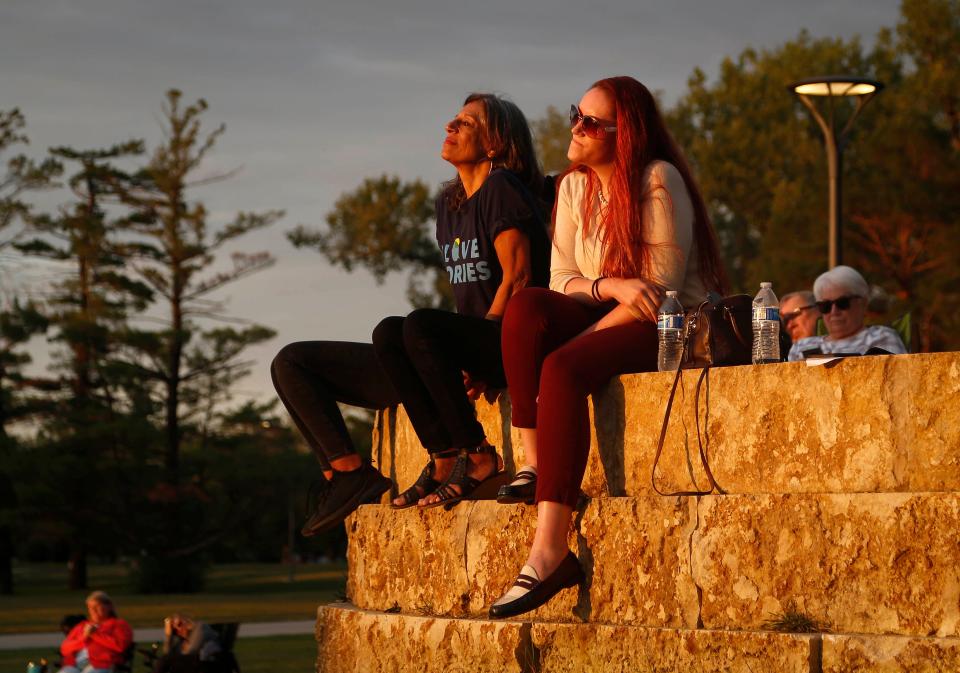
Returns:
(637, 299)
(513, 252)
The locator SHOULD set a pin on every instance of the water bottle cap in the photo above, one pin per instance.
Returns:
(672, 293)
(766, 285)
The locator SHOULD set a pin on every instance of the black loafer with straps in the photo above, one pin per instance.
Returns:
(523, 488)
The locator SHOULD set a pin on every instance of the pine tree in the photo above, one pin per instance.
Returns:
(19, 321)
(193, 362)
(88, 309)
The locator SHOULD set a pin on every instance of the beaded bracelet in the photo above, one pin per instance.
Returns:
(595, 290)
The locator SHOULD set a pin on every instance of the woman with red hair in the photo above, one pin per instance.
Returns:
(629, 224)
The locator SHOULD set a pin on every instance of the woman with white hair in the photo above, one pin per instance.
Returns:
(841, 296)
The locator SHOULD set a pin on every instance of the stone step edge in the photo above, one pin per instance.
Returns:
(859, 431)
(341, 605)
(363, 641)
(474, 554)
(585, 500)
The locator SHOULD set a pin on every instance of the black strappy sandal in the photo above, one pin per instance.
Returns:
(425, 483)
(476, 489)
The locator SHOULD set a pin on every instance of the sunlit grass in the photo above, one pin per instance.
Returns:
(279, 654)
(234, 593)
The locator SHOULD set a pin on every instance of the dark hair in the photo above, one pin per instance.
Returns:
(642, 137)
(505, 132)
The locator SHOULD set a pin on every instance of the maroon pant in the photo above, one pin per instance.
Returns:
(550, 374)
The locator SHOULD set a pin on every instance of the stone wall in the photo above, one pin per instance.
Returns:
(842, 503)
(866, 425)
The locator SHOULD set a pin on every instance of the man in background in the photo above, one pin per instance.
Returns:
(799, 314)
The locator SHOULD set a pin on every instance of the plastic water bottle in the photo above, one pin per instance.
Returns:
(670, 333)
(766, 326)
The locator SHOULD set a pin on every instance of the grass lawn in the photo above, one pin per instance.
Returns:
(234, 593)
(279, 654)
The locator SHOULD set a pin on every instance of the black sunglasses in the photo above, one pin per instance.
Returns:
(842, 303)
(592, 127)
(795, 313)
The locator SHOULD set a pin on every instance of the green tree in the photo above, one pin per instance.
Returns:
(929, 32)
(17, 326)
(551, 136)
(174, 257)
(385, 225)
(760, 160)
(192, 363)
(759, 157)
(88, 310)
(21, 175)
(19, 321)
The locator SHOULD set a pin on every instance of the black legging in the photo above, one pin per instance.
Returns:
(417, 361)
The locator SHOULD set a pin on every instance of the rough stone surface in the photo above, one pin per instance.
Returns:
(876, 424)
(890, 654)
(635, 550)
(354, 640)
(617, 649)
(844, 505)
(863, 563)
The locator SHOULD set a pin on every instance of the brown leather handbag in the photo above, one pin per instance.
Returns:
(718, 333)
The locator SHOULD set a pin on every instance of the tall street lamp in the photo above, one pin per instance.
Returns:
(833, 87)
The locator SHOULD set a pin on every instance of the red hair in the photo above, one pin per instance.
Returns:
(642, 137)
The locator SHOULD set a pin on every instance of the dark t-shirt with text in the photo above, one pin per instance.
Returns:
(466, 237)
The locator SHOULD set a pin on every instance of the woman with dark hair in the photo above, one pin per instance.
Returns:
(629, 224)
(493, 241)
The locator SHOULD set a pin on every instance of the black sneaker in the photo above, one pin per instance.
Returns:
(341, 496)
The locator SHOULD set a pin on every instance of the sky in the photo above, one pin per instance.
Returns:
(318, 95)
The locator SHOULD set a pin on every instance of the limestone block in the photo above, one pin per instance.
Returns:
(635, 552)
(875, 424)
(356, 641)
(573, 648)
(890, 654)
(864, 563)
(410, 558)
(398, 453)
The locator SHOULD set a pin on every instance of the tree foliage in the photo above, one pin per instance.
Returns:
(88, 310)
(385, 225)
(551, 136)
(144, 418)
(759, 157)
(21, 175)
(761, 164)
(19, 321)
(174, 256)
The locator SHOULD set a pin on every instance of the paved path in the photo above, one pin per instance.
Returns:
(20, 641)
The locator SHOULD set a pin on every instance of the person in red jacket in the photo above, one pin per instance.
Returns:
(98, 643)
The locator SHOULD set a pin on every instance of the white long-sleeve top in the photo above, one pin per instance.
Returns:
(668, 228)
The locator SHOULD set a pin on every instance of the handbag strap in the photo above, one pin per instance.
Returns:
(736, 327)
(703, 455)
(665, 425)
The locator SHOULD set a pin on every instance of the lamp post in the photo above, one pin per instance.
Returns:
(832, 87)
